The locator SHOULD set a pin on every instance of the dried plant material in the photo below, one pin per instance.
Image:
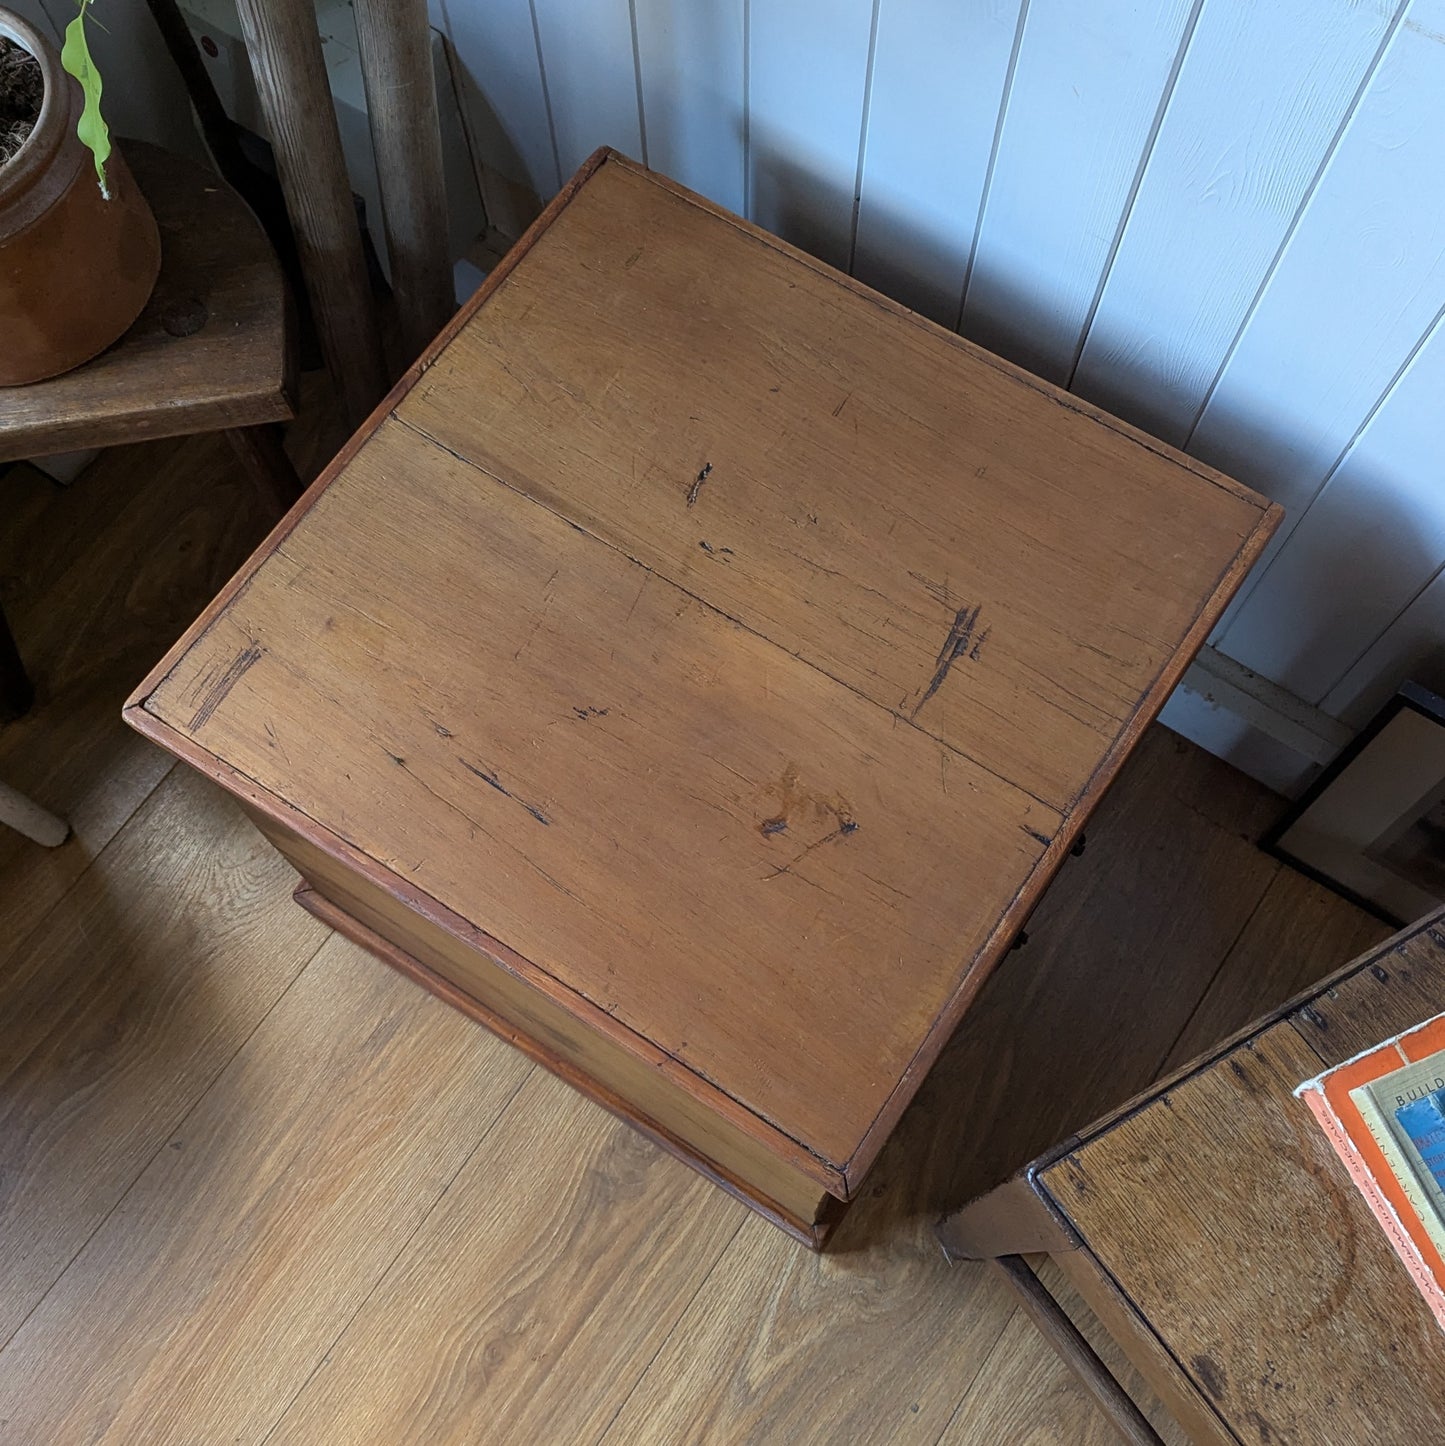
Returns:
(21, 91)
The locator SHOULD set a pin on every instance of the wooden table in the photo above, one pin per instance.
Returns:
(1218, 1237)
(697, 669)
(209, 352)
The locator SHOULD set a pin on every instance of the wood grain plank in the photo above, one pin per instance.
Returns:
(691, 61)
(592, 87)
(1358, 286)
(1300, 932)
(99, 578)
(760, 1355)
(1371, 540)
(1399, 988)
(1260, 98)
(678, 799)
(500, 78)
(875, 482)
(1025, 1395)
(534, 1294)
(214, 1290)
(807, 76)
(103, 1048)
(939, 72)
(1086, 91)
(1082, 1016)
(1296, 1269)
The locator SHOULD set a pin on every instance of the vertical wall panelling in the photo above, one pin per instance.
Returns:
(808, 69)
(500, 73)
(938, 79)
(1259, 99)
(1371, 541)
(591, 73)
(34, 13)
(1356, 288)
(1412, 647)
(1089, 86)
(691, 61)
(144, 95)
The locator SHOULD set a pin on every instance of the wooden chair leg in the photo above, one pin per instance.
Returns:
(260, 452)
(27, 817)
(17, 692)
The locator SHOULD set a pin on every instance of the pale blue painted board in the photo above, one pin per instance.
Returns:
(500, 78)
(591, 77)
(808, 67)
(1088, 85)
(1373, 539)
(1357, 286)
(1260, 97)
(1412, 647)
(938, 77)
(691, 58)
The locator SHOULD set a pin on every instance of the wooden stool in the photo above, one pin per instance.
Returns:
(210, 352)
(700, 669)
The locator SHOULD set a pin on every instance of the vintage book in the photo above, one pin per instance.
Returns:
(1384, 1113)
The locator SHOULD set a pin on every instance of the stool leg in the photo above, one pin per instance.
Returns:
(27, 816)
(260, 452)
(17, 692)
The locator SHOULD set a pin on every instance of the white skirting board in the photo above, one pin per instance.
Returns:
(1253, 724)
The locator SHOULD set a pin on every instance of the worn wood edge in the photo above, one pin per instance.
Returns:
(1017, 1217)
(975, 972)
(757, 1128)
(151, 424)
(1067, 400)
(358, 439)
(1282, 1014)
(1073, 1349)
(1145, 1349)
(331, 913)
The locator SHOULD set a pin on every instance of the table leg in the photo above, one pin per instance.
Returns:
(260, 451)
(17, 692)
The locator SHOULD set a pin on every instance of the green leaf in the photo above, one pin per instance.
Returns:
(92, 129)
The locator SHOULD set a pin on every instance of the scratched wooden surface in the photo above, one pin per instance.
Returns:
(739, 651)
(1283, 1303)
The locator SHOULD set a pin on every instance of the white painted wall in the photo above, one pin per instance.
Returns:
(1222, 219)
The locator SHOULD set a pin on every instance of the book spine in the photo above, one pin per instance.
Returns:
(1380, 1207)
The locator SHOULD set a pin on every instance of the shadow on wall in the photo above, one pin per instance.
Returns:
(1328, 601)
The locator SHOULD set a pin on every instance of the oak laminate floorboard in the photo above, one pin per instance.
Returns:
(1300, 932)
(197, 1311)
(97, 579)
(535, 1294)
(1024, 1395)
(122, 1009)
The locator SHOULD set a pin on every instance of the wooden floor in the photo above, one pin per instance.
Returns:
(255, 1187)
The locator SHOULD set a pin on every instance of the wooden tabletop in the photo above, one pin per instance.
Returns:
(209, 351)
(1230, 1224)
(736, 650)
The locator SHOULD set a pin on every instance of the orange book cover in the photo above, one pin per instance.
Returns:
(1354, 1103)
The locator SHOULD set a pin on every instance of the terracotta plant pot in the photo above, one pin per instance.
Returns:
(75, 269)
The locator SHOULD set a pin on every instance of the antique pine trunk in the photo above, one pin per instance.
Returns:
(696, 669)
